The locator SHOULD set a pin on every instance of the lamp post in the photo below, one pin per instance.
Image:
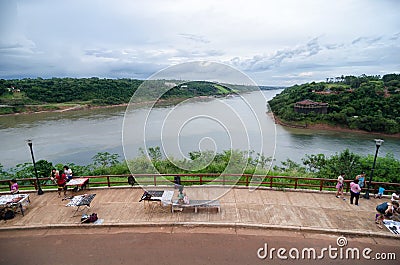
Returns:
(39, 191)
(378, 143)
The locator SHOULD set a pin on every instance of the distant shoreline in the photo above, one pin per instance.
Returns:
(327, 127)
(64, 109)
(77, 107)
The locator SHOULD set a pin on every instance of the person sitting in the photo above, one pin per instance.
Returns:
(385, 210)
(381, 190)
(395, 196)
(14, 186)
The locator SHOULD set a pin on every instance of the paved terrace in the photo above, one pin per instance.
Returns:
(263, 208)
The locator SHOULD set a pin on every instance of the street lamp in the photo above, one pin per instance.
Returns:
(40, 191)
(378, 143)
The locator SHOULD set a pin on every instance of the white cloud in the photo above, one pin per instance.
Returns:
(272, 41)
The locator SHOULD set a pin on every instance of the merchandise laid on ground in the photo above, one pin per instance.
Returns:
(393, 226)
(196, 204)
(162, 197)
(80, 201)
(14, 202)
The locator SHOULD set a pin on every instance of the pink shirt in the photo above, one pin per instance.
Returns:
(355, 187)
(14, 187)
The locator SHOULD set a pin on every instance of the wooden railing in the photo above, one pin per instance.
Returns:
(280, 182)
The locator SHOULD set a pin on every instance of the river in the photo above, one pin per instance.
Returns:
(197, 124)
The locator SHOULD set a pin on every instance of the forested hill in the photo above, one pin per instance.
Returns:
(63, 90)
(369, 103)
(21, 95)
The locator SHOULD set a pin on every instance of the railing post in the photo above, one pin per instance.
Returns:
(34, 184)
(321, 184)
(108, 181)
(223, 180)
(201, 179)
(270, 182)
(155, 180)
(247, 180)
(295, 183)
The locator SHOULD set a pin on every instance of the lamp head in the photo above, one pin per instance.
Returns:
(29, 142)
(378, 142)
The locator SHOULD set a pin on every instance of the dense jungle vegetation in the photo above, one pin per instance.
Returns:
(369, 103)
(22, 95)
(315, 165)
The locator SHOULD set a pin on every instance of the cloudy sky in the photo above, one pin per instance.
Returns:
(274, 42)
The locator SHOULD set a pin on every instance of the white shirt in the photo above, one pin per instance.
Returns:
(340, 179)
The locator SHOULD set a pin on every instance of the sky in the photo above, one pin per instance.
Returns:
(277, 43)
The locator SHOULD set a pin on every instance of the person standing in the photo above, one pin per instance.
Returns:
(61, 183)
(354, 191)
(68, 172)
(340, 185)
(361, 179)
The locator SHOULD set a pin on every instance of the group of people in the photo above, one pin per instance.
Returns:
(61, 178)
(385, 210)
(390, 210)
(355, 187)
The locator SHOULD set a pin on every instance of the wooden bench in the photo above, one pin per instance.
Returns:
(196, 204)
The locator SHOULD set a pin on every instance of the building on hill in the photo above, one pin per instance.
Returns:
(307, 106)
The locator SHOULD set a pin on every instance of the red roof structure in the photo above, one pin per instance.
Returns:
(307, 106)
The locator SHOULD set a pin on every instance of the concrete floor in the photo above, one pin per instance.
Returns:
(240, 208)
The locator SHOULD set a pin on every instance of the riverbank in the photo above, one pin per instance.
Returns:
(327, 127)
(84, 106)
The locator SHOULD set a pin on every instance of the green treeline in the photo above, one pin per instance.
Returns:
(369, 103)
(20, 95)
(61, 90)
(231, 161)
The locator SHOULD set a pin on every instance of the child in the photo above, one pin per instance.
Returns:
(14, 186)
(339, 186)
(380, 193)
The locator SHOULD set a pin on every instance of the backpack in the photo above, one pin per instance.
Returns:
(93, 218)
(9, 215)
(89, 218)
(131, 180)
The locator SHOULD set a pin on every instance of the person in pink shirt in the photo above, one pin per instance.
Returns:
(14, 186)
(354, 191)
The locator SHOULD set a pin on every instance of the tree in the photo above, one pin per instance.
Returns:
(155, 153)
(346, 162)
(314, 162)
(105, 159)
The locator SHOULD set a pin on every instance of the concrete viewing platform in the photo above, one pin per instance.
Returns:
(319, 212)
